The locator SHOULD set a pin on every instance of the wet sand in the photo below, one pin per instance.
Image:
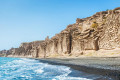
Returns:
(102, 66)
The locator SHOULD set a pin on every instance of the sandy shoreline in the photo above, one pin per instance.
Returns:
(105, 66)
(101, 66)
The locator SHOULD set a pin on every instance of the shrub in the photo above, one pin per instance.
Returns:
(94, 25)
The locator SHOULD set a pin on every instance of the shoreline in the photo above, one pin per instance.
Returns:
(108, 67)
(114, 74)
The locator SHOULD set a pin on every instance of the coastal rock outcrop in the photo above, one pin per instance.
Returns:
(100, 31)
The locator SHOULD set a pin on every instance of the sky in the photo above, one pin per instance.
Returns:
(31, 20)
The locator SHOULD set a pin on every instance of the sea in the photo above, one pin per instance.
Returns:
(31, 69)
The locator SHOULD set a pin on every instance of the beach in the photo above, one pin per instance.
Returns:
(101, 66)
(97, 68)
(31, 69)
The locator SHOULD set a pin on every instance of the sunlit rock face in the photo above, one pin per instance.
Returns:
(100, 31)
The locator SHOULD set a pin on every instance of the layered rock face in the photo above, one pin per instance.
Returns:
(26, 49)
(100, 31)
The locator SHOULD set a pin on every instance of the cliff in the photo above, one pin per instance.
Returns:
(98, 32)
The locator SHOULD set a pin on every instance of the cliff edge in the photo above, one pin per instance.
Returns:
(98, 36)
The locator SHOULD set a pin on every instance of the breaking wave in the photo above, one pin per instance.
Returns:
(30, 69)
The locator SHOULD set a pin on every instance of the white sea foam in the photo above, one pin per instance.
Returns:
(19, 68)
(70, 78)
(32, 70)
(39, 71)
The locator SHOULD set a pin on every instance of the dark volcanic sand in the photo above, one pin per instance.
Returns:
(101, 66)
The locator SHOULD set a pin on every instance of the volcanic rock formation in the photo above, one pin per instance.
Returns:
(100, 31)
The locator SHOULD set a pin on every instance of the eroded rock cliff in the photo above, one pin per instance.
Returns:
(100, 31)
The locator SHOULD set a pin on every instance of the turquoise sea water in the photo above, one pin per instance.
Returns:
(30, 69)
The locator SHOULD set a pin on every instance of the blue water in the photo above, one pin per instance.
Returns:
(30, 69)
